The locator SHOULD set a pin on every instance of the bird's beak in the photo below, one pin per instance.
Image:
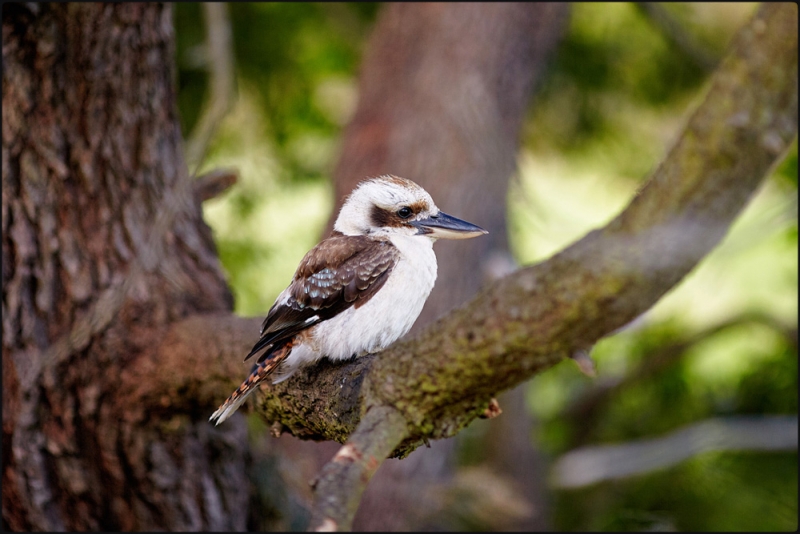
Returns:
(444, 226)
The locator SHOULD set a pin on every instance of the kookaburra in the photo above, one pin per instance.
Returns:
(360, 289)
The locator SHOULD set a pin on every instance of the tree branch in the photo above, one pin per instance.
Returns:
(199, 362)
(589, 465)
(343, 479)
(535, 317)
(612, 275)
(219, 60)
(212, 184)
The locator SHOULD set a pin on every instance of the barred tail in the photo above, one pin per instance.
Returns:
(261, 371)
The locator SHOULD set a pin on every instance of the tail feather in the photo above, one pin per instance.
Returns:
(261, 372)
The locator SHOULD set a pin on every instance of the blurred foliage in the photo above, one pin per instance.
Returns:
(615, 99)
(296, 67)
(298, 56)
(711, 492)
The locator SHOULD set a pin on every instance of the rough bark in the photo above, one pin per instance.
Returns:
(103, 248)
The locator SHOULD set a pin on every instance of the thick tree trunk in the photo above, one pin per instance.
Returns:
(104, 247)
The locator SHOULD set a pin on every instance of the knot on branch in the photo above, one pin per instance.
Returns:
(491, 411)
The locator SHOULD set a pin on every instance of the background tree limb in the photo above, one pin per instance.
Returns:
(585, 409)
(222, 82)
(589, 465)
(677, 33)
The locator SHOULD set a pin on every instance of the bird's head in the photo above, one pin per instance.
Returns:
(389, 205)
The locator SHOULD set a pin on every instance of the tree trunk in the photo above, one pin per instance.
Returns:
(443, 93)
(104, 247)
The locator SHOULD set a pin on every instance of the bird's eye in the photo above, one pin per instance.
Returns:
(405, 212)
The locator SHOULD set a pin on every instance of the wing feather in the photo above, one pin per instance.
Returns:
(340, 272)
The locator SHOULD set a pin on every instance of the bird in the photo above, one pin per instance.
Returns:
(360, 289)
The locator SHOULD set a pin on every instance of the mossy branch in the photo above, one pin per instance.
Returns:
(541, 314)
(538, 315)
(532, 319)
(441, 380)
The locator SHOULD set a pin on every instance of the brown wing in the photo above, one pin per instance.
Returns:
(340, 272)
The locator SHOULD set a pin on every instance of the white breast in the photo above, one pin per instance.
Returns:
(387, 316)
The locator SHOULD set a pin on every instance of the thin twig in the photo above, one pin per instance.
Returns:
(214, 183)
(220, 61)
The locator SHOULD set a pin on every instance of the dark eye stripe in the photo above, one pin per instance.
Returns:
(381, 218)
